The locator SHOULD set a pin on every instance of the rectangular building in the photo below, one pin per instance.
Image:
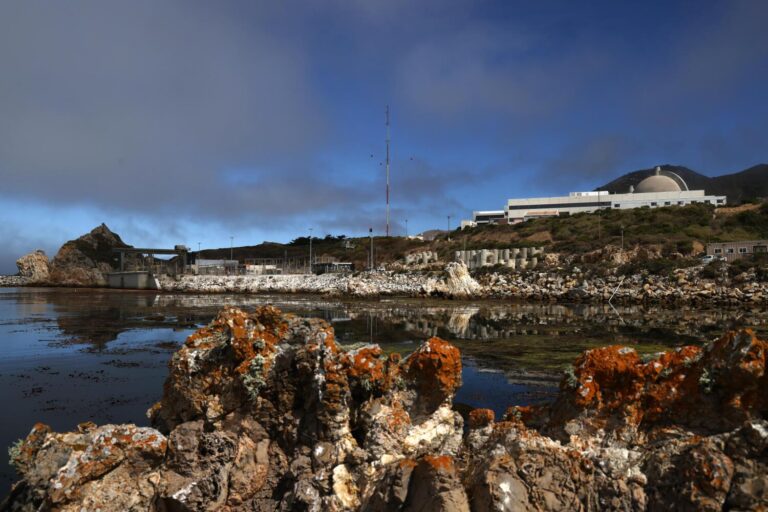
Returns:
(519, 210)
(735, 250)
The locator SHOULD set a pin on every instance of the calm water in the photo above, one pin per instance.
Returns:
(70, 356)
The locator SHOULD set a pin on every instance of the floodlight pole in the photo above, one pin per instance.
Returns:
(310, 250)
(387, 122)
(599, 217)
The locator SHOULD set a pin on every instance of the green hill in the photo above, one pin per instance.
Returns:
(676, 229)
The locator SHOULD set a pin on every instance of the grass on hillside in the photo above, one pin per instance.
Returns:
(675, 229)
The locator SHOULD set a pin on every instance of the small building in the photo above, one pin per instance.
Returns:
(735, 250)
(133, 280)
(216, 267)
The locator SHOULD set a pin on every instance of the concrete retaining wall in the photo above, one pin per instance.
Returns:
(515, 258)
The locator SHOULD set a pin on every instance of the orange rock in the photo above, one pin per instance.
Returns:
(479, 418)
(435, 369)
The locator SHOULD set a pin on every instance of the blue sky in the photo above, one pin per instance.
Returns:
(184, 121)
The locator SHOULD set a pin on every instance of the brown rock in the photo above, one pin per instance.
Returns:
(86, 260)
(34, 267)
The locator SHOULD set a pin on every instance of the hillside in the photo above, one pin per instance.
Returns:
(744, 185)
(673, 230)
(385, 249)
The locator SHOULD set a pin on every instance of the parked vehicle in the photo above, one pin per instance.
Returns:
(709, 258)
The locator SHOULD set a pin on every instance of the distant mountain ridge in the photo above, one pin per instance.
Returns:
(747, 184)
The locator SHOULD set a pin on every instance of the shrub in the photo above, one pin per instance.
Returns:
(659, 266)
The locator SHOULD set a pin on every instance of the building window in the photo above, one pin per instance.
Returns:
(667, 203)
(653, 203)
(681, 203)
(742, 250)
(718, 251)
(720, 201)
(617, 205)
(729, 250)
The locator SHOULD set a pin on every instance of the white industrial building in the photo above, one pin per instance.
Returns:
(662, 188)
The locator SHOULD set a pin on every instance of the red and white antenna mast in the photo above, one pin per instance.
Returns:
(387, 170)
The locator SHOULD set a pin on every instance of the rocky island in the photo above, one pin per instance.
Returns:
(266, 411)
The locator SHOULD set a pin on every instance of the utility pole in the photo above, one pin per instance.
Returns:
(370, 234)
(449, 222)
(231, 247)
(406, 228)
(310, 250)
(387, 121)
(622, 239)
(599, 231)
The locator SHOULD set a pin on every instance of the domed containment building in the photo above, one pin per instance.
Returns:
(659, 189)
(661, 181)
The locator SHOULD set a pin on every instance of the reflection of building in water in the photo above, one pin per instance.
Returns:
(513, 320)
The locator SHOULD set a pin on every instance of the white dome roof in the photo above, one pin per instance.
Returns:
(658, 184)
(661, 183)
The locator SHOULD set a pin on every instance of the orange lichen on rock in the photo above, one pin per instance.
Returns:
(435, 368)
(606, 376)
(366, 362)
(398, 418)
(440, 462)
(479, 418)
(371, 368)
(722, 384)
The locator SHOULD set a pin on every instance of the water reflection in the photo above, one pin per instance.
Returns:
(70, 355)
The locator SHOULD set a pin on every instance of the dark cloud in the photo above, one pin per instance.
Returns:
(591, 160)
(190, 115)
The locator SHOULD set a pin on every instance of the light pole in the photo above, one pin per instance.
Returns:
(310, 250)
(449, 222)
(622, 239)
(599, 231)
(406, 228)
(198, 246)
(370, 234)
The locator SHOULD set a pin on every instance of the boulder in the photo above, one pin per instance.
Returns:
(35, 267)
(456, 282)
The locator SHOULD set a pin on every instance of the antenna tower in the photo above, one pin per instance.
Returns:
(387, 170)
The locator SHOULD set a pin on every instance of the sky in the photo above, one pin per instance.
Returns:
(184, 121)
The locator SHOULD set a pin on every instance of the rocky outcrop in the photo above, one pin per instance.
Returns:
(454, 281)
(457, 282)
(34, 267)
(264, 411)
(683, 286)
(86, 260)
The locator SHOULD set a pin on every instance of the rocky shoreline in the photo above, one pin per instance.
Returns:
(685, 287)
(264, 411)
(86, 261)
